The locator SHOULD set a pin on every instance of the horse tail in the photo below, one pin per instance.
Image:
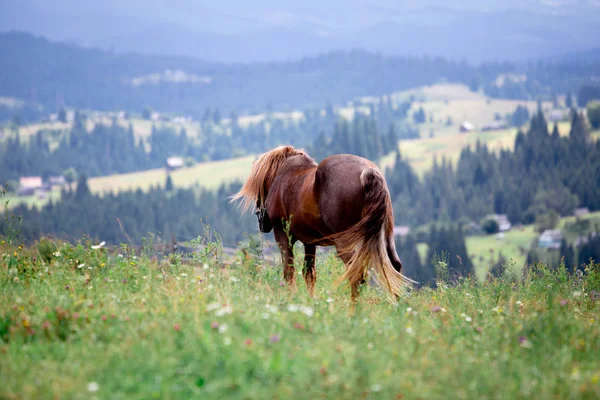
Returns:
(365, 244)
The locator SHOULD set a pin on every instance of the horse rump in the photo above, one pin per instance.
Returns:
(364, 245)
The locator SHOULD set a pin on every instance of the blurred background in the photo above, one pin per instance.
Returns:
(123, 119)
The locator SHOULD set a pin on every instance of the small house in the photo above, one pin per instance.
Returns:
(550, 239)
(503, 222)
(466, 127)
(580, 212)
(174, 163)
(57, 181)
(29, 184)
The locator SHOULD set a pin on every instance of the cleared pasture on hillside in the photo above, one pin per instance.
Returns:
(209, 175)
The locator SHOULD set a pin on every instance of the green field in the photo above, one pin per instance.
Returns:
(91, 323)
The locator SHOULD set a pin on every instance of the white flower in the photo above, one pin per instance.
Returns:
(205, 266)
(307, 311)
(56, 254)
(222, 328)
(271, 309)
(93, 387)
(184, 274)
(213, 306)
(224, 310)
(234, 279)
(80, 266)
(466, 317)
(370, 345)
(519, 303)
(376, 388)
(226, 340)
(330, 300)
(292, 308)
(120, 255)
(409, 330)
(98, 246)
(576, 294)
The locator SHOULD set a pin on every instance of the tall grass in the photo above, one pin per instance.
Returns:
(87, 321)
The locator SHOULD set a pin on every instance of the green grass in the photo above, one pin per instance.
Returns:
(129, 327)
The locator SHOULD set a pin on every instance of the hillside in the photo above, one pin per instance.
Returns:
(54, 74)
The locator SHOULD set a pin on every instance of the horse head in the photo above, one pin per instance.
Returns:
(264, 222)
(256, 188)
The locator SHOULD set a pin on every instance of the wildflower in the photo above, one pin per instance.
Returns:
(98, 246)
(466, 317)
(75, 315)
(183, 274)
(523, 342)
(281, 283)
(248, 342)
(234, 279)
(67, 287)
(46, 325)
(307, 311)
(329, 300)
(223, 328)
(564, 302)
(323, 370)
(271, 309)
(519, 303)
(298, 326)
(292, 307)
(275, 338)
(205, 266)
(409, 329)
(25, 323)
(376, 388)
(576, 294)
(102, 265)
(226, 340)
(93, 387)
(370, 346)
(177, 327)
(104, 318)
(436, 309)
(80, 266)
(214, 325)
(479, 329)
(213, 306)
(224, 310)
(15, 254)
(120, 255)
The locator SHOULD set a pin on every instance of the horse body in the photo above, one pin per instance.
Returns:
(342, 201)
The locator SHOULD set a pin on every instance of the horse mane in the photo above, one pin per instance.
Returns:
(262, 175)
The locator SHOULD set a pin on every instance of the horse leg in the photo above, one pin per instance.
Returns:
(355, 286)
(287, 257)
(310, 273)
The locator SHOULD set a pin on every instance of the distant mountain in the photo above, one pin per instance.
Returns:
(269, 30)
(55, 74)
(40, 71)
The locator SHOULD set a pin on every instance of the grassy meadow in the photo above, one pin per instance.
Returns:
(83, 321)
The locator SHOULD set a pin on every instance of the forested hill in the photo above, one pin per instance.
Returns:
(57, 74)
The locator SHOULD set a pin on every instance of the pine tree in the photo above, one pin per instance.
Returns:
(169, 184)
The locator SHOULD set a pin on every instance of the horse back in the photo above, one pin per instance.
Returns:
(339, 190)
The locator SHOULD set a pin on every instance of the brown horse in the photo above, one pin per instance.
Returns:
(343, 201)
